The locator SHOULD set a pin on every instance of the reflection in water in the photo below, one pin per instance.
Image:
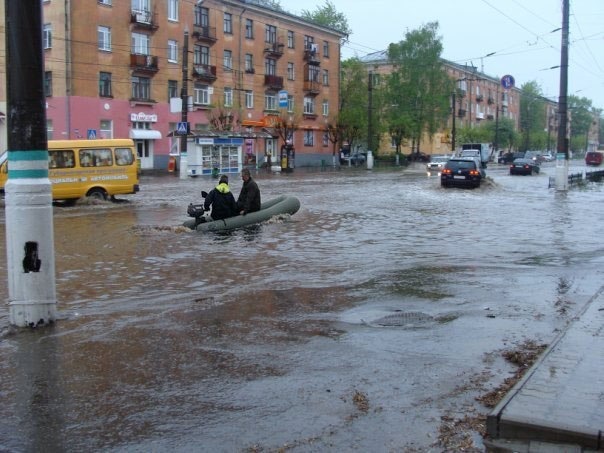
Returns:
(163, 330)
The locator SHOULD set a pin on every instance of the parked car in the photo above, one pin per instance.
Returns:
(461, 172)
(594, 158)
(436, 164)
(535, 156)
(358, 158)
(524, 167)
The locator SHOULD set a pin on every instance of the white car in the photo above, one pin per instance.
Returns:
(436, 164)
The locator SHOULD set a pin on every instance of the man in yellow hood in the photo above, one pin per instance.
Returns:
(221, 200)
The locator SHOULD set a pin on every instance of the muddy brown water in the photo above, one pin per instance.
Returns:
(383, 285)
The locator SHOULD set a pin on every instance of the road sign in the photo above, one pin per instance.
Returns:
(282, 98)
(91, 134)
(182, 128)
(507, 81)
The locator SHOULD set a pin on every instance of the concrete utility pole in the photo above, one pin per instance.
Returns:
(28, 205)
(185, 107)
(563, 145)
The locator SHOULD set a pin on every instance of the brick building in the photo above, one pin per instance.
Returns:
(112, 68)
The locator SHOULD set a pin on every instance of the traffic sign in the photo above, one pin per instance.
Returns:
(182, 128)
(91, 134)
(282, 98)
(507, 81)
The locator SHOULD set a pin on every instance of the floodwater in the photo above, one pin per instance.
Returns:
(356, 324)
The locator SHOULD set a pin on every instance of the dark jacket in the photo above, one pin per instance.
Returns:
(222, 201)
(249, 197)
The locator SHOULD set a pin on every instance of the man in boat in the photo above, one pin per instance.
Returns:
(249, 197)
(221, 200)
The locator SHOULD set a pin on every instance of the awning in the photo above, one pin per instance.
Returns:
(144, 134)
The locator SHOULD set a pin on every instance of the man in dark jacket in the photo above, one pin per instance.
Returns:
(221, 200)
(249, 197)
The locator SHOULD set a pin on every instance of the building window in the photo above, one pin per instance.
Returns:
(270, 66)
(201, 94)
(201, 16)
(228, 97)
(326, 49)
(228, 23)
(313, 74)
(325, 107)
(325, 77)
(290, 70)
(249, 99)
(141, 88)
(228, 60)
(172, 51)
(271, 34)
(173, 10)
(105, 84)
(270, 102)
(140, 44)
(309, 105)
(47, 36)
(325, 138)
(49, 129)
(104, 37)
(249, 28)
(48, 83)
(201, 55)
(309, 137)
(106, 129)
(290, 103)
(290, 39)
(249, 63)
(105, 2)
(172, 89)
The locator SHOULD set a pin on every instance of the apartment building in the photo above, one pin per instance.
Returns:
(114, 68)
(478, 98)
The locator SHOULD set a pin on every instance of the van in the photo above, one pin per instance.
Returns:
(594, 158)
(87, 168)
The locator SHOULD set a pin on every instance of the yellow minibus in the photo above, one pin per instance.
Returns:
(87, 168)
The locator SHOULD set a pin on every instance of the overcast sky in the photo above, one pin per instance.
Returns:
(520, 32)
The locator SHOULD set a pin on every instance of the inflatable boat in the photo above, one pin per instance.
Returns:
(281, 205)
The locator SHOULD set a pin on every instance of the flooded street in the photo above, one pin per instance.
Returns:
(356, 324)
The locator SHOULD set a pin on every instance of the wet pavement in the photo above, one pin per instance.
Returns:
(358, 323)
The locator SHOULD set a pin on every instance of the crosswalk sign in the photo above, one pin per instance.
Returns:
(91, 134)
(182, 128)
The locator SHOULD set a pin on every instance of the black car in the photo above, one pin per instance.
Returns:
(508, 158)
(524, 167)
(461, 172)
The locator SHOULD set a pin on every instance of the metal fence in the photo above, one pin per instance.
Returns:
(579, 178)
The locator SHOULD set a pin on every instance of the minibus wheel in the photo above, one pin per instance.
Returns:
(97, 194)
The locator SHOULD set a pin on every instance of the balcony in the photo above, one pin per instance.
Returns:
(489, 117)
(479, 98)
(144, 19)
(274, 49)
(461, 113)
(273, 82)
(146, 64)
(490, 100)
(204, 72)
(204, 34)
(312, 87)
(311, 55)
(250, 71)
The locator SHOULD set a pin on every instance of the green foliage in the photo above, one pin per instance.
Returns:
(352, 120)
(532, 116)
(418, 89)
(328, 16)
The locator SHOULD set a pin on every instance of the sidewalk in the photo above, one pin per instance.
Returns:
(559, 404)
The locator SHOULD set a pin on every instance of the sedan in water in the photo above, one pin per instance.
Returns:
(524, 167)
(461, 172)
(436, 164)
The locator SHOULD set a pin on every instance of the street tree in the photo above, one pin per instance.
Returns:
(582, 114)
(352, 120)
(327, 16)
(418, 89)
(532, 116)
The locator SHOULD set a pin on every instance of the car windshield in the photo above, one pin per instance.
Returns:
(522, 161)
(438, 159)
(461, 165)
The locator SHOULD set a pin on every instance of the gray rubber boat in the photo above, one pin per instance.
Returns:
(284, 204)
